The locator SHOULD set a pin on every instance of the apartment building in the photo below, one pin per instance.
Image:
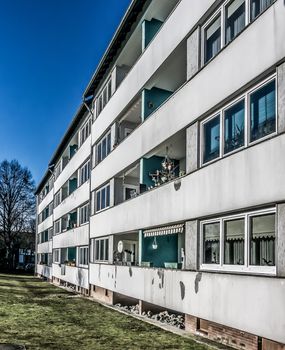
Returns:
(167, 189)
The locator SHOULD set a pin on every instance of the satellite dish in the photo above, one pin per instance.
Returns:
(120, 246)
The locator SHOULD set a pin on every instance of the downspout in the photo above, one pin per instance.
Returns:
(90, 196)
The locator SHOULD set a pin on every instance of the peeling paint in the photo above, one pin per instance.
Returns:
(130, 272)
(182, 289)
(197, 280)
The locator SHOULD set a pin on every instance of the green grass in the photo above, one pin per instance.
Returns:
(41, 316)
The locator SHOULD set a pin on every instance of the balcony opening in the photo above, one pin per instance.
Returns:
(69, 221)
(127, 184)
(126, 248)
(64, 191)
(73, 183)
(130, 120)
(163, 247)
(68, 256)
(165, 163)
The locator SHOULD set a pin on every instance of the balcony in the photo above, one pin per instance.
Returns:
(44, 270)
(206, 295)
(74, 275)
(77, 197)
(78, 236)
(45, 247)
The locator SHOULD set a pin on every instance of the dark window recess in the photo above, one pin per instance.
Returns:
(235, 19)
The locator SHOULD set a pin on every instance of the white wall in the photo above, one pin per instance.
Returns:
(46, 201)
(251, 177)
(47, 223)
(45, 247)
(241, 62)
(72, 238)
(74, 275)
(253, 304)
(183, 18)
(44, 270)
(75, 162)
(78, 197)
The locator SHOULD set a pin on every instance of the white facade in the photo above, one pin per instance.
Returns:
(199, 84)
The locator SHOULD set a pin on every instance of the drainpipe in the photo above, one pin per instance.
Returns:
(90, 196)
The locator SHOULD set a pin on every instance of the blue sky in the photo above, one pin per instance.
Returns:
(49, 51)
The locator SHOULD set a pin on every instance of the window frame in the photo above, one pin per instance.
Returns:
(86, 205)
(80, 249)
(56, 250)
(246, 267)
(84, 169)
(100, 144)
(93, 250)
(100, 189)
(221, 112)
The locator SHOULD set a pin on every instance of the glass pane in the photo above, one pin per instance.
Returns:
(104, 148)
(212, 139)
(101, 249)
(106, 249)
(103, 198)
(97, 250)
(98, 200)
(234, 127)
(108, 143)
(99, 156)
(262, 240)
(262, 112)
(213, 39)
(211, 243)
(234, 242)
(108, 196)
(258, 6)
(235, 19)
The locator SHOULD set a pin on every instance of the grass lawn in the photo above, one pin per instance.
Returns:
(41, 316)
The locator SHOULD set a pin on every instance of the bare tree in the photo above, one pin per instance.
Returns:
(17, 206)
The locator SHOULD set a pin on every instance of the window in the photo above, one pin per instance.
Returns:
(262, 240)
(57, 199)
(83, 256)
(235, 19)
(262, 111)
(57, 170)
(102, 198)
(57, 227)
(103, 148)
(258, 6)
(211, 139)
(85, 131)
(234, 127)
(234, 242)
(211, 240)
(224, 242)
(104, 96)
(100, 249)
(49, 262)
(50, 233)
(85, 172)
(212, 34)
(250, 118)
(56, 256)
(84, 214)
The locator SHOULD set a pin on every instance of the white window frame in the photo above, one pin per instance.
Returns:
(100, 142)
(56, 251)
(59, 226)
(221, 112)
(85, 255)
(100, 95)
(85, 170)
(95, 198)
(85, 130)
(93, 251)
(86, 208)
(246, 268)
